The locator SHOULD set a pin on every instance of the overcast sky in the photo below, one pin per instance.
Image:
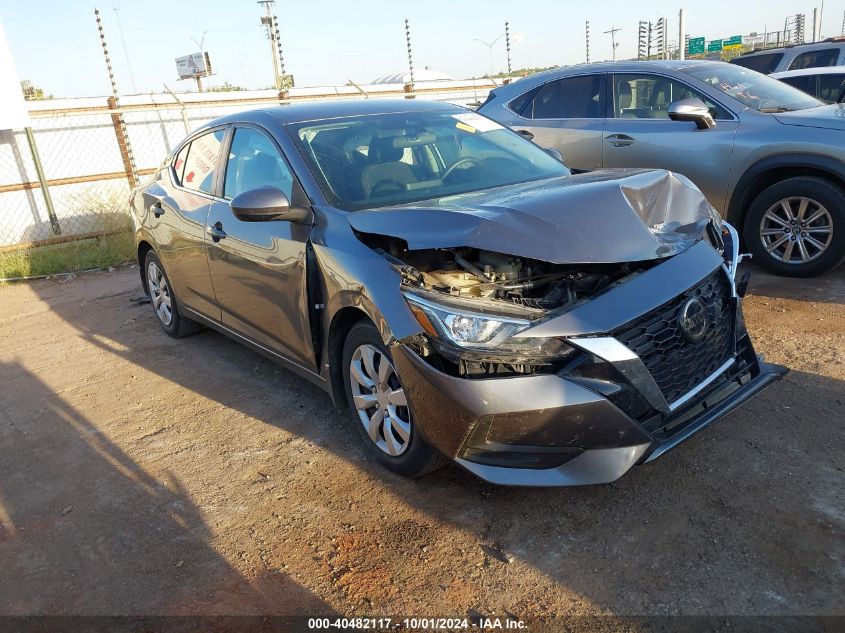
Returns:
(327, 42)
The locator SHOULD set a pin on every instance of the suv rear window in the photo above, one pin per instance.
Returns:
(815, 59)
(761, 63)
(569, 98)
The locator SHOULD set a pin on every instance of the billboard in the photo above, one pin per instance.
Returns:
(194, 65)
(13, 111)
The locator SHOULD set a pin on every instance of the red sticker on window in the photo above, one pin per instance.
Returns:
(189, 177)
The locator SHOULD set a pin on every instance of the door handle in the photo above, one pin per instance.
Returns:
(216, 232)
(157, 209)
(619, 140)
(525, 134)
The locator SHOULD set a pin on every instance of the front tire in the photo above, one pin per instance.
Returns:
(165, 305)
(379, 406)
(796, 227)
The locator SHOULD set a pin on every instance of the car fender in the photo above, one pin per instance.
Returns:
(743, 193)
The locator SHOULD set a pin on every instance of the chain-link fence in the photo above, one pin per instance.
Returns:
(69, 175)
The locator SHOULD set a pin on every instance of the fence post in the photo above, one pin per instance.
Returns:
(42, 180)
(123, 144)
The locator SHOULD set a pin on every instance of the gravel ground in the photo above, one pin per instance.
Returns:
(145, 475)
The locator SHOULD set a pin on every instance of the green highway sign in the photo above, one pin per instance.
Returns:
(733, 42)
(714, 46)
(695, 46)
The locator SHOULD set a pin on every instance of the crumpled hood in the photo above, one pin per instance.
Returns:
(830, 117)
(607, 216)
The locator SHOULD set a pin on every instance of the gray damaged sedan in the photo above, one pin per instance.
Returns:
(451, 282)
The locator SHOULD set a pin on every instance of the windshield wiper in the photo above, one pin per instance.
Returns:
(776, 110)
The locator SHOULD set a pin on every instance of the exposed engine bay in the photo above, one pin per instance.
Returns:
(484, 276)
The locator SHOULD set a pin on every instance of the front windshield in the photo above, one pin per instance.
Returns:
(386, 159)
(752, 88)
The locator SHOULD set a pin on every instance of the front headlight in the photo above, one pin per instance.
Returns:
(483, 335)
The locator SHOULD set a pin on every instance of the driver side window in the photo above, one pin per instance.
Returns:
(649, 97)
(255, 162)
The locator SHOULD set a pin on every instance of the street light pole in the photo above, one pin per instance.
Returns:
(490, 46)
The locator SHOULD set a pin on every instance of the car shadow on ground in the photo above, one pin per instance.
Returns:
(77, 516)
(743, 518)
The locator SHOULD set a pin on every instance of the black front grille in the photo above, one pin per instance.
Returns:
(676, 363)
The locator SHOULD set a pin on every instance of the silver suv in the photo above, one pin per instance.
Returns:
(769, 158)
(831, 52)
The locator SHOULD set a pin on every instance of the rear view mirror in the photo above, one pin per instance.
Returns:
(694, 110)
(265, 204)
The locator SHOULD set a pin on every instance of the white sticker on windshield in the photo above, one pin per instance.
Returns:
(477, 122)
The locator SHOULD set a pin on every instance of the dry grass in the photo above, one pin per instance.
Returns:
(96, 252)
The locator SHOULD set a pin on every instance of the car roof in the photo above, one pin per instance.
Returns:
(818, 70)
(831, 42)
(529, 82)
(625, 66)
(332, 109)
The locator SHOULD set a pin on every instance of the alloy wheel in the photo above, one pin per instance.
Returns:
(379, 400)
(159, 293)
(796, 230)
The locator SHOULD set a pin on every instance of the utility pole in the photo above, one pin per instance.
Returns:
(662, 36)
(118, 121)
(508, 46)
(588, 41)
(650, 29)
(284, 74)
(613, 31)
(642, 40)
(410, 55)
(682, 28)
(268, 22)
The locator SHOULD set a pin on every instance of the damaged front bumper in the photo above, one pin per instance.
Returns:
(636, 388)
(553, 430)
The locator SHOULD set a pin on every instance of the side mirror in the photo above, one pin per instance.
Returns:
(551, 151)
(692, 109)
(265, 204)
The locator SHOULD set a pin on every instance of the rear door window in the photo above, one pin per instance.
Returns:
(831, 86)
(807, 83)
(761, 63)
(570, 98)
(815, 59)
(201, 162)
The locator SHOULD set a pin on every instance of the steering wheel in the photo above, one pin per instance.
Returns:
(461, 161)
(383, 187)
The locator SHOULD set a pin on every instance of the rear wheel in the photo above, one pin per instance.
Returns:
(380, 407)
(797, 227)
(164, 301)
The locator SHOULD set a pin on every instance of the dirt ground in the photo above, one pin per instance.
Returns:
(145, 475)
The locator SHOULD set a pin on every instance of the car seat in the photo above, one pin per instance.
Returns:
(385, 165)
